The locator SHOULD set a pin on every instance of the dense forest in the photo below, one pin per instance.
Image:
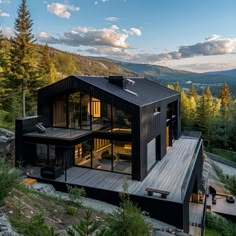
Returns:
(214, 116)
(26, 66)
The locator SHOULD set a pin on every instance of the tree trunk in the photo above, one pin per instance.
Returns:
(23, 99)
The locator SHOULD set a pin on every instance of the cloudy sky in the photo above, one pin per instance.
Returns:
(183, 34)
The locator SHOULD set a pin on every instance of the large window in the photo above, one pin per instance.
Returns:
(122, 152)
(83, 154)
(59, 112)
(81, 111)
(102, 154)
(101, 115)
(121, 120)
(74, 110)
(106, 155)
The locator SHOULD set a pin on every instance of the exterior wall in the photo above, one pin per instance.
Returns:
(152, 126)
(145, 125)
(22, 126)
(193, 185)
(72, 84)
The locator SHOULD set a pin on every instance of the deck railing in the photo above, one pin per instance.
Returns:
(194, 159)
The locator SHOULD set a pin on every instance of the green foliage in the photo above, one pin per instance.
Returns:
(21, 73)
(70, 210)
(86, 227)
(8, 177)
(221, 225)
(229, 181)
(128, 219)
(35, 227)
(75, 194)
(226, 154)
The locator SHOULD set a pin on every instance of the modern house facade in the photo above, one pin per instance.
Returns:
(110, 127)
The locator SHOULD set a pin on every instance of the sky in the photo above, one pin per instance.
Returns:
(181, 34)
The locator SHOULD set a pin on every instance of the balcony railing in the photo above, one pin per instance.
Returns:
(194, 159)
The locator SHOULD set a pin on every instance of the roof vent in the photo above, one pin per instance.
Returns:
(120, 81)
(117, 80)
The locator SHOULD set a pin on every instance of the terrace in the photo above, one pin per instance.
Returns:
(171, 174)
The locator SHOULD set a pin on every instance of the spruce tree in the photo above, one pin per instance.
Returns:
(177, 87)
(225, 98)
(205, 112)
(192, 92)
(47, 68)
(21, 78)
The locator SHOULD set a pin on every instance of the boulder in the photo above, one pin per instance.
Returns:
(7, 138)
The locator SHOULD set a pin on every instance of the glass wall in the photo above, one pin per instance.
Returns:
(85, 112)
(122, 151)
(83, 153)
(101, 115)
(41, 154)
(74, 110)
(121, 120)
(59, 112)
(102, 154)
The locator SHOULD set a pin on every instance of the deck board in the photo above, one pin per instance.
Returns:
(168, 174)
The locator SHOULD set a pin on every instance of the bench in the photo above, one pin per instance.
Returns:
(150, 191)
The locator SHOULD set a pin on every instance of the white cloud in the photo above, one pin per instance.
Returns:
(212, 37)
(89, 37)
(61, 10)
(114, 27)
(133, 31)
(100, 1)
(5, 1)
(7, 32)
(112, 18)
(136, 31)
(217, 46)
(4, 14)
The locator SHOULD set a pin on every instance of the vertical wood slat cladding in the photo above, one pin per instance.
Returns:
(152, 126)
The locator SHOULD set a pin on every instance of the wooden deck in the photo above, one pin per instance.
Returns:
(59, 133)
(168, 174)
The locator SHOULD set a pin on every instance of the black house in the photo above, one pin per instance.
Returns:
(99, 129)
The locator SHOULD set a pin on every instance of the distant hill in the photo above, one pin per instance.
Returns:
(167, 75)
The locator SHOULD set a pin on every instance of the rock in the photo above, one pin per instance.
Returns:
(6, 228)
(7, 138)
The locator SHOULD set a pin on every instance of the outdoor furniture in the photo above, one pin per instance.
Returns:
(150, 191)
(51, 172)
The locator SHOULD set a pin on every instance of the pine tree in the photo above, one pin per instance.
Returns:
(205, 111)
(185, 109)
(22, 74)
(177, 87)
(47, 67)
(192, 92)
(225, 98)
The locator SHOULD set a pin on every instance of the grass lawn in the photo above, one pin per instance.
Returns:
(226, 154)
(211, 232)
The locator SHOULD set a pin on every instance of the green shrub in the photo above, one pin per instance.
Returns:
(75, 194)
(35, 227)
(71, 210)
(8, 177)
(221, 225)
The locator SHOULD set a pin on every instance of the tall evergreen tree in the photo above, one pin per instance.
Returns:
(205, 112)
(192, 92)
(47, 67)
(225, 98)
(22, 74)
(177, 87)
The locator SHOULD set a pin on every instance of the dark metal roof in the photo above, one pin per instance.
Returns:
(141, 93)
